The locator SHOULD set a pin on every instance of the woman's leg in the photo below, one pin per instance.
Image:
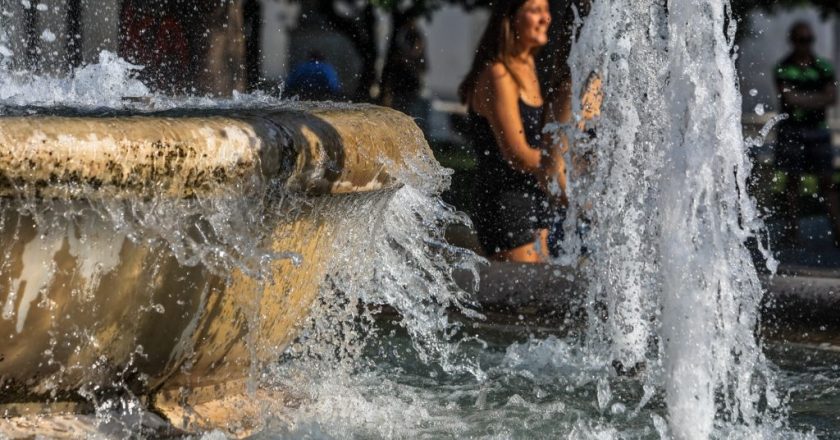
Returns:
(536, 252)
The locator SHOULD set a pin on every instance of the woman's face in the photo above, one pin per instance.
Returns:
(531, 23)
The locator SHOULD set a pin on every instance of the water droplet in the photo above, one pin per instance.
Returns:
(48, 36)
(759, 109)
(753, 92)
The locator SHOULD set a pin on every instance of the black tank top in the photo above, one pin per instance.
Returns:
(494, 173)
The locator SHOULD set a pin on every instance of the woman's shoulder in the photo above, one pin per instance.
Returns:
(497, 71)
(497, 76)
(494, 83)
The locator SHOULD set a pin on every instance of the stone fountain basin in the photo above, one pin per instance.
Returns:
(799, 304)
(150, 324)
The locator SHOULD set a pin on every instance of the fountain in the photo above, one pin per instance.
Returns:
(97, 284)
(222, 262)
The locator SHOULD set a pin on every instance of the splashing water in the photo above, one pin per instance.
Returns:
(671, 287)
(104, 84)
(110, 83)
(671, 284)
(405, 265)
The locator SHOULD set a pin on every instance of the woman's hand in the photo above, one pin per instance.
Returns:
(555, 148)
(553, 175)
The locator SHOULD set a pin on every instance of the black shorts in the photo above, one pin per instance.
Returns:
(508, 219)
(804, 150)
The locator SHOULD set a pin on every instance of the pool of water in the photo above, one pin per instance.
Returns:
(811, 377)
(535, 386)
(530, 385)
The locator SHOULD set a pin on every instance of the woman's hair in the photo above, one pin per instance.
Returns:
(496, 45)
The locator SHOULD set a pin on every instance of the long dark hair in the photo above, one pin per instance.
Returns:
(496, 45)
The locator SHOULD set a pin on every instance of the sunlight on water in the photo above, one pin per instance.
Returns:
(672, 293)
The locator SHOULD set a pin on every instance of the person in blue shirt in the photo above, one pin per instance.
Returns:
(313, 80)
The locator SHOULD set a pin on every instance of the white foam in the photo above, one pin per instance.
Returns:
(104, 84)
(669, 213)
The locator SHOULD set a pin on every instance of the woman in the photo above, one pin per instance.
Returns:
(517, 169)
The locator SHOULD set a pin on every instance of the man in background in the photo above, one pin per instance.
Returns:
(806, 88)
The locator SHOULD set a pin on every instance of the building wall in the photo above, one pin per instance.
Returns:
(452, 35)
(279, 17)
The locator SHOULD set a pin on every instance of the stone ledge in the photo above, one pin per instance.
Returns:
(308, 149)
(537, 289)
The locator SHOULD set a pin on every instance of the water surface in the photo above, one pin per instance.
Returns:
(536, 386)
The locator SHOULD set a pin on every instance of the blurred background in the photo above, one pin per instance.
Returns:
(410, 55)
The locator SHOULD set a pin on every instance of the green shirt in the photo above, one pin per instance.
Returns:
(811, 78)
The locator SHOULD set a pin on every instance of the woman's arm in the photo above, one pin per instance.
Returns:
(811, 100)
